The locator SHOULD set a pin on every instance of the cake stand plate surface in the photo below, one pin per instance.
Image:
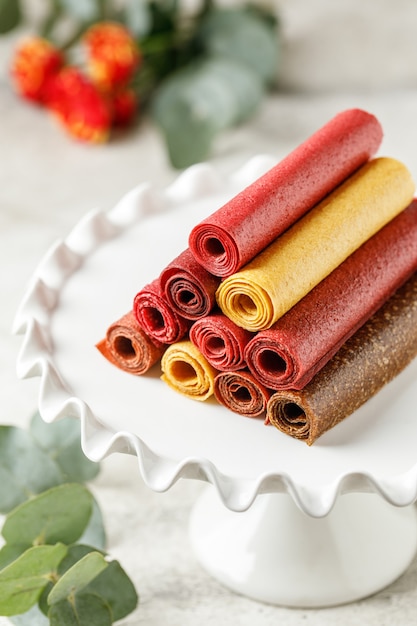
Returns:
(87, 281)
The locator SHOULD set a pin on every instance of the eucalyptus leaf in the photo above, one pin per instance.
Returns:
(116, 588)
(61, 440)
(43, 598)
(244, 36)
(10, 552)
(59, 514)
(85, 609)
(77, 577)
(113, 584)
(75, 552)
(22, 582)
(25, 469)
(193, 105)
(10, 15)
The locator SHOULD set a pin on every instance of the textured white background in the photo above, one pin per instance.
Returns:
(335, 55)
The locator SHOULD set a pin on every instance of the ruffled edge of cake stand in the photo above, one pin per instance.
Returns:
(56, 400)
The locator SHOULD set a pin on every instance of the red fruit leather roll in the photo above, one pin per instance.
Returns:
(241, 393)
(189, 288)
(156, 316)
(293, 350)
(371, 358)
(221, 341)
(240, 229)
(128, 347)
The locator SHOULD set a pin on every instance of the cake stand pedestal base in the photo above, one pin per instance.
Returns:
(275, 553)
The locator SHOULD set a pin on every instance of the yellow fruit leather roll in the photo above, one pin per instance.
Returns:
(267, 287)
(187, 371)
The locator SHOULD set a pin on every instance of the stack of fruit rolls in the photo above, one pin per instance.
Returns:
(294, 299)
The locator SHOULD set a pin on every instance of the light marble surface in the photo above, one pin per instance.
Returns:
(47, 183)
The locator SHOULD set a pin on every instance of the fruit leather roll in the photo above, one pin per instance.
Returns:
(189, 288)
(267, 287)
(240, 229)
(187, 371)
(290, 353)
(241, 393)
(156, 316)
(128, 347)
(372, 357)
(221, 341)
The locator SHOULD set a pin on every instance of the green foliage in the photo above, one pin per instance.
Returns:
(53, 568)
(10, 15)
(195, 104)
(224, 86)
(202, 72)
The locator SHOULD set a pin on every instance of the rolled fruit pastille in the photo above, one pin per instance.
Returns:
(240, 229)
(291, 352)
(241, 393)
(156, 316)
(128, 347)
(371, 358)
(187, 371)
(267, 287)
(189, 288)
(221, 341)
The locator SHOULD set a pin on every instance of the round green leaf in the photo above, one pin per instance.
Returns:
(24, 468)
(116, 588)
(61, 440)
(113, 584)
(10, 15)
(244, 36)
(22, 581)
(83, 609)
(195, 103)
(59, 514)
(10, 552)
(78, 577)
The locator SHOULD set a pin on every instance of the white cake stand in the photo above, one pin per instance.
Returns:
(272, 525)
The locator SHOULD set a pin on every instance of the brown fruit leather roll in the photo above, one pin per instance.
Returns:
(221, 341)
(371, 358)
(189, 288)
(240, 229)
(128, 347)
(289, 354)
(156, 316)
(241, 393)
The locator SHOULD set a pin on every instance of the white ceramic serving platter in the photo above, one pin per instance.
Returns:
(89, 279)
